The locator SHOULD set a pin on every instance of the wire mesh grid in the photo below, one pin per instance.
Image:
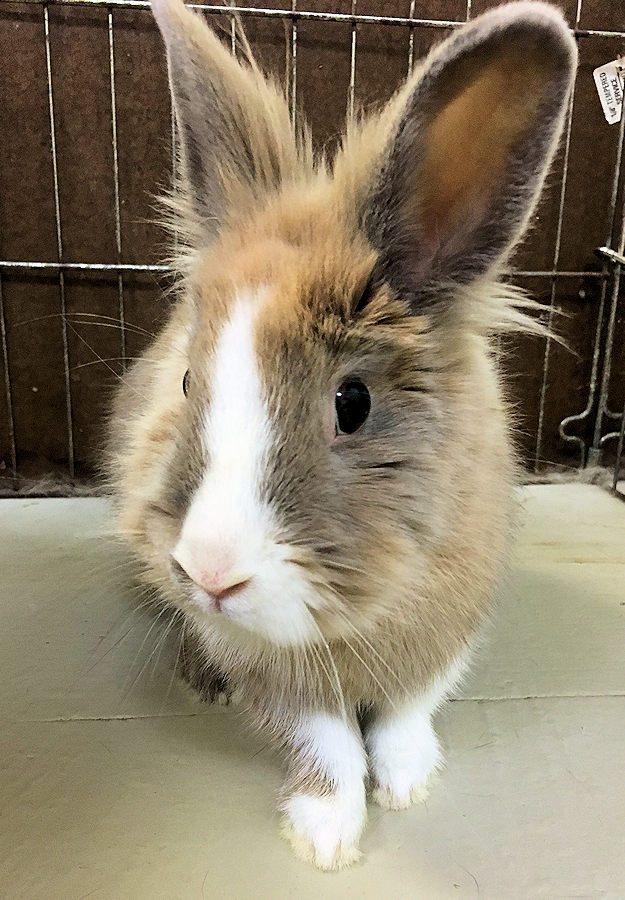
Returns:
(608, 425)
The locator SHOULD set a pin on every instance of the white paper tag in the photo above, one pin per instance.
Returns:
(610, 81)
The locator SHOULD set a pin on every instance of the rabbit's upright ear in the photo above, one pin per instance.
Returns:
(467, 156)
(235, 133)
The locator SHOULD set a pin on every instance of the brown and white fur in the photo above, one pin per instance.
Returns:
(338, 581)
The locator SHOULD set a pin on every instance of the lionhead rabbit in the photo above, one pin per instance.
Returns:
(312, 460)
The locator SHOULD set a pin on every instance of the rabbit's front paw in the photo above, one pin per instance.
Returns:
(403, 754)
(399, 795)
(325, 830)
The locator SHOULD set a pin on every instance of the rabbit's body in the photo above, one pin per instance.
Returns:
(450, 477)
(335, 558)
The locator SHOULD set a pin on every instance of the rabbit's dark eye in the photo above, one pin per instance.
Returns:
(353, 403)
(185, 383)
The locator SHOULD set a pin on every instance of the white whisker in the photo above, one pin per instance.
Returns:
(359, 635)
(370, 671)
(339, 696)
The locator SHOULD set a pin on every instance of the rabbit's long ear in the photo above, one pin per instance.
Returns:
(236, 136)
(469, 150)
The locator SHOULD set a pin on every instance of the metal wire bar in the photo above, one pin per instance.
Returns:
(118, 228)
(588, 32)
(80, 267)
(59, 240)
(552, 299)
(297, 15)
(612, 255)
(411, 37)
(352, 69)
(553, 273)
(7, 387)
(596, 353)
(26, 265)
(605, 379)
(293, 66)
(619, 455)
(556, 258)
(262, 12)
(617, 257)
(610, 436)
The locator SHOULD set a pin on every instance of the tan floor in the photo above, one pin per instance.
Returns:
(110, 789)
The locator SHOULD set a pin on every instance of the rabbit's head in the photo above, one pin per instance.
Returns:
(288, 459)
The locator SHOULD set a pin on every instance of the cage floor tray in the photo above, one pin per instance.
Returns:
(116, 783)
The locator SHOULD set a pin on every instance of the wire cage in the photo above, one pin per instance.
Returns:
(89, 140)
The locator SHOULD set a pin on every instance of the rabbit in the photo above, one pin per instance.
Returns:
(312, 462)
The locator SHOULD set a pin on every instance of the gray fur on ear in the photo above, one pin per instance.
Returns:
(236, 138)
(475, 134)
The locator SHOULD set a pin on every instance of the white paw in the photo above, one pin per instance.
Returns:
(325, 830)
(403, 756)
(399, 797)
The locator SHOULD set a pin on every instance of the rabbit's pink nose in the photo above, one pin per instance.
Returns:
(217, 584)
(219, 589)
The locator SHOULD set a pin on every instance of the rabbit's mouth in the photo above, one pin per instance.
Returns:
(277, 603)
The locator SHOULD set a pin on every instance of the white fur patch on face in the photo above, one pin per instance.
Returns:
(326, 829)
(228, 535)
(403, 748)
(237, 430)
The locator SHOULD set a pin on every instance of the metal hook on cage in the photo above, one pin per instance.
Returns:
(592, 455)
(604, 338)
(617, 259)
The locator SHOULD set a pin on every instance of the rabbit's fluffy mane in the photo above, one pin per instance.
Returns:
(490, 305)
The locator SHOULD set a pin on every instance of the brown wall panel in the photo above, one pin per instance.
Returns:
(568, 369)
(323, 73)
(27, 229)
(144, 133)
(381, 54)
(599, 15)
(147, 305)
(570, 365)
(568, 7)
(616, 392)
(82, 107)
(34, 334)
(81, 82)
(270, 40)
(95, 350)
(591, 166)
(6, 460)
